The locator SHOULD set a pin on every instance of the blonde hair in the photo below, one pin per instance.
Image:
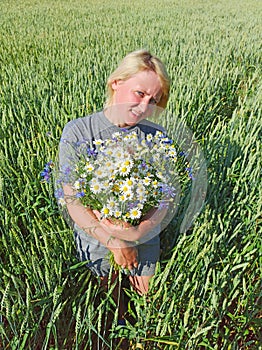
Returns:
(134, 63)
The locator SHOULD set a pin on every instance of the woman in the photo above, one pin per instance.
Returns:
(137, 89)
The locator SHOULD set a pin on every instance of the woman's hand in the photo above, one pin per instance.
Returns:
(126, 257)
(125, 253)
(125, 231)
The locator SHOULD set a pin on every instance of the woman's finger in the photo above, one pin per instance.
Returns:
(97, 214)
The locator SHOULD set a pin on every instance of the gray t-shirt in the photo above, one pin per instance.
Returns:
(96, 126)
(77, 133)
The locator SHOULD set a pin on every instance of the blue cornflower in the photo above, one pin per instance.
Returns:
(168, 142)
(167, 190)
(132, 205)
(59, 193)
(80, 194)
(183, 154)
(163, 204)
(49, 165)
(66, 169)
(143, 166)
(79, 143)
(189, 170)
(92, 152)
(124, 129)
(47, 170)
(149, 143)
(45, 175)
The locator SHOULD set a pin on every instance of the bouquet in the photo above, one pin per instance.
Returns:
(124, 177)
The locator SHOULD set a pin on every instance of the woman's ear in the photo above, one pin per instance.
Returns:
(116, 83)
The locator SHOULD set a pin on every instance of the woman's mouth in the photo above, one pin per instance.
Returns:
(136, 114)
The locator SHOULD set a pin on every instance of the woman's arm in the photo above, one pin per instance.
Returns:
(125, 254)
(86, 219)
(134, 233)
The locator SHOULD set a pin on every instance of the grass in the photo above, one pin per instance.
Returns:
(55, 59)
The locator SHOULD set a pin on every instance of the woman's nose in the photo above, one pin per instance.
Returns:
(145, 105)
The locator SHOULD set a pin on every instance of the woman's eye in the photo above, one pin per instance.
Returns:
(140, 93)
(153, 101)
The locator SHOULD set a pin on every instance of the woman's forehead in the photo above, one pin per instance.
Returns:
(146, 80)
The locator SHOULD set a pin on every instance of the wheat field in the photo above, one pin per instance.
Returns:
(55, 59)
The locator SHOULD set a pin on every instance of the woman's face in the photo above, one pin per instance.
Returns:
(135, 99)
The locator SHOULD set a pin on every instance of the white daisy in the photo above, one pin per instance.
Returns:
(77, 185)
(117, 213)
(147, 180)
(128, 162)
(160, 175)
(172, 153)
(122, 198)
(61, 201)
(95, 186)
(155, 183)
(89, 167)
(142, 197)
(118, 153)
(99, 172)
(111, 204)
(105, 212)
(149, 137)
(140, 206)
(125, 188)
(140, 188)
(109, 164)
(124, 170)
(116, 135)
(130, 182)
(159, 134)
(108, 152)
(135, 213)
(98, 142)
(105, 184)
(128, 195)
